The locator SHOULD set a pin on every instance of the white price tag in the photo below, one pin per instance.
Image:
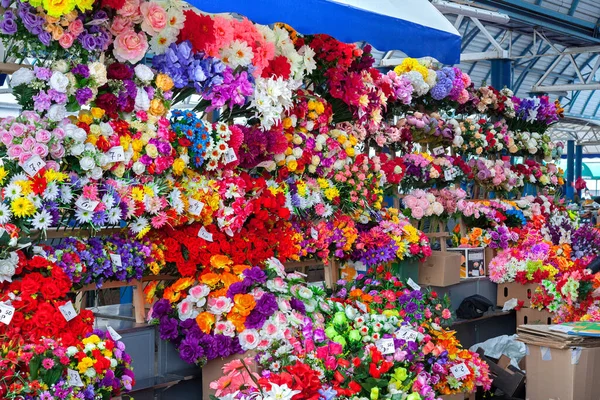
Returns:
(413, 285)
(438, 151)
(195, 207)
(73, 378)
(407, 334)
(116, 260)
(361, 307)
(113, 334)
(314, 234)
(230, 156)
(386, 346)
(460, 371)
(33, 165)
(86, 204)
(68, 311)
(6, 313)
(116, 154)
(448, 175)
(204, 234)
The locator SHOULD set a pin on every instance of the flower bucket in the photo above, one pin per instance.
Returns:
(406, 269)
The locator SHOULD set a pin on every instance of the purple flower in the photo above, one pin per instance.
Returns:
(190, 350)
(8, 25)
(256, 275)
(161, 308)
(298, 305)
(41, 101)
(255, 320)
(84, 95)
(168, 328)
(82, 70)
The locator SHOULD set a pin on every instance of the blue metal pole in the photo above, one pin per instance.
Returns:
(570, 169)
(578, 164)
(501, 74)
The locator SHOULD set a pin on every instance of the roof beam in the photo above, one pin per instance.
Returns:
(573, 7)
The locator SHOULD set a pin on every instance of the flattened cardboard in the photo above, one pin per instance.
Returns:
(530, 316)
(458, 396)
(563, 374)
(514, 290)
(440, 269)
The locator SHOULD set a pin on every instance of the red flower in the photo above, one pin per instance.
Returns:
(198, 29)
(278, 67)
(107, 102)
(119, 71)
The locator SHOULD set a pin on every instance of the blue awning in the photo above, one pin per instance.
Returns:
(414, 27)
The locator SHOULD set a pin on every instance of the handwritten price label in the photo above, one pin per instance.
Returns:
(460, 371)
(407, 334)
(386, 346)
(68, 311)
(204, 234)
(6, 313)
(73, 378)
(86, 204)
(195, 207)
(113, 334)
(116, 154)
(438, 151)
(33, 165)
(230, 156)
(116, 260)
(314, 234)
(413, 285)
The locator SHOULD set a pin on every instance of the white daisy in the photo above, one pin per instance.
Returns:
(160, 42)
(5, 213)
(66, 194)
(36, 200)
(19, 177)
(308, 54)
(108, 200)
(12, 191)
(83, 216)
(51, 192)
(175, 201)
(41, 220)
(114, 215)
(139, 225)
(238, 54)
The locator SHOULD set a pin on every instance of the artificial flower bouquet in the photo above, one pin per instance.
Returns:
(495, 176)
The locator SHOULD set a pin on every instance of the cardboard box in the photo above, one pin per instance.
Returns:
(505, 377)
(531, 316)
(514, 290)
(458, 396)
(473, 262)
(563, 374)
(441, 269)
(489, 254)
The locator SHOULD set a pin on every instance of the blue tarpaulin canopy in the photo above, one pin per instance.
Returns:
(414, 27)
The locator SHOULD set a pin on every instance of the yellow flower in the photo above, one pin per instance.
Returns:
(323, 184)
(84, 364)
(51, 175)
(157, 107)
(148, 190)
(3, 174)
(331, 193)
(91, 339)
(302, 188)
(25, 187)
(85, 5)
(57, 8)
(178, 166)
(350, 151)
(292, 165)
(92, 139)
(164, 82)
(320, 108)
(137, 194)
(311, 105)
(287, 123)
(137, 145)
(151, 150)
(97, 112)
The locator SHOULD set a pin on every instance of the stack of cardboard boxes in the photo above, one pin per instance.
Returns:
(525, 315)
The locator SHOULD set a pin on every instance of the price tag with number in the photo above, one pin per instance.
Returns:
(407, 334)
(113, 334)
(73, 378)
(448, 175)
(68, 311)
(33, 165)
(413, 285)
(195, 207)
(86, 204)
(314, 234)
(204, 234)
(230, 156)
(116, 154)
(116, 260)
(6, 313)
(386, 346)
(438, 151)
(460, 371)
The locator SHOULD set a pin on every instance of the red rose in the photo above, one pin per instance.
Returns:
(119, 71)
(107, 102)
(114, 4)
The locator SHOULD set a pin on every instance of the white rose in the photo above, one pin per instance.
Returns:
(138, 168)
(59, 82)
(98, 72)
(312, 169)
(96, 173)
(8, 267)
(78, 134)
(142, 101)
(87, 163)
(57, 112)
(22, 76)
(77, 149)
(297, 152)
(315, 160)
(106, 129)
(60, 65)
(338, 164)
(143, 73)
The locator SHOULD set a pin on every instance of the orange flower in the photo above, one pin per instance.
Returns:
(356, 293)
(182, 284)
(211, 279)
(218, 293)
(150, 291)
(237, 320)
(228, 279)
(220, 261)
(244, 304)
(477, 232)
(205, 321)
(238, 269)
(171, 295)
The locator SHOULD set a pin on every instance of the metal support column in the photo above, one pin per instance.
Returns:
(570, 169)
(578, 164)
(501, 73)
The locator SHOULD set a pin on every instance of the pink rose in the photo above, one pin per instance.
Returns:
(6, 138)
(131, 8)
(24, 157)
(28, 143)
(58, 133)
(76, 27)
(40, 149)
(57, 150)
(43, 136)
(155, 18)
(120, 24)
(66, 41)
(17, 129)
(15, 151)
(53, 165)
(130, 46)
(417, 212)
